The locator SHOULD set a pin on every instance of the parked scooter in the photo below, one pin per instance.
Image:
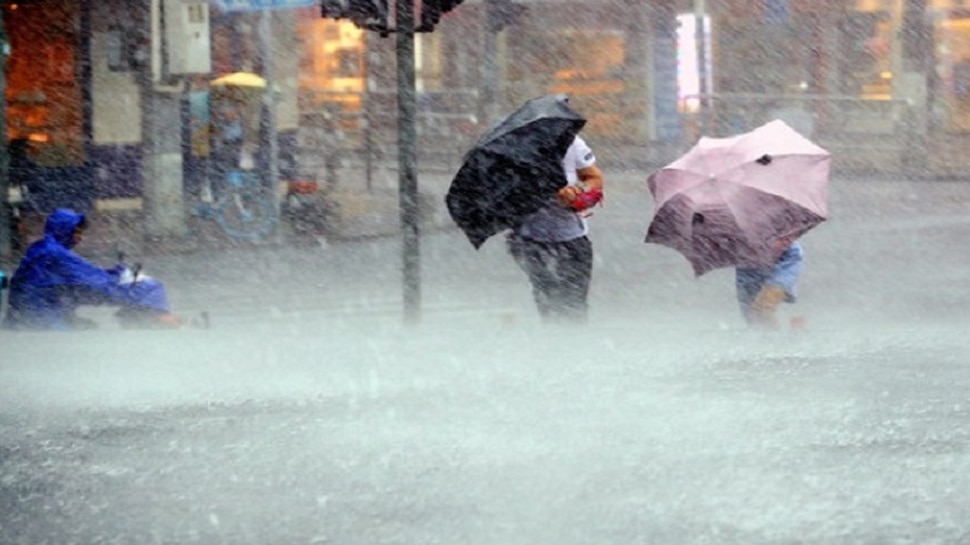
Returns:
(309, 211)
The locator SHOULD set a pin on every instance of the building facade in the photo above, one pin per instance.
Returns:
(880, 82)
(884, 83)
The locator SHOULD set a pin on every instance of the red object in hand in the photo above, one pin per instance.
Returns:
(587, 199)
(303, 187)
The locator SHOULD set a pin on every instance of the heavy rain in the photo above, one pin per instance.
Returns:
(338, 362)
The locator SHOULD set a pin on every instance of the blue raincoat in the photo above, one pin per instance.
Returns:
(783, 274)
(52, 281)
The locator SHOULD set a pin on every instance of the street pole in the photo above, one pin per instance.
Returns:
(367, 120)
(270, 138)
(161, 133)
(489, 109)
(911, 83)
(407, 175)
(6, 234)
(700, 40)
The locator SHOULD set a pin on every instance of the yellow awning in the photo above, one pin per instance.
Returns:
(240, 79)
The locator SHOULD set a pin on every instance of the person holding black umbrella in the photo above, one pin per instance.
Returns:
(551, 245)
(531, 176)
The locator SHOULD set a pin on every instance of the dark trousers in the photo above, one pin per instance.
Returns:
(560, 274)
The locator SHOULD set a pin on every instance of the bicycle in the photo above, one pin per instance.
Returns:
(246, 209)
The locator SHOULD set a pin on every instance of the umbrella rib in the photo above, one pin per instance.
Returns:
(745, 229)
(697, 178)
(775, 190)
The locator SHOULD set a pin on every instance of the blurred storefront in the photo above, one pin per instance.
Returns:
(44, 94)
(804, 46)
(881, 82)
(951, 32)
(238, 45)
(332, 68)
(884, 83)
(48, 118)
(827, 67)
(867, 77)
(602, 60)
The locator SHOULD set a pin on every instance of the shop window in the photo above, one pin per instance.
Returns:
(689, 73)
(332, 71)
(428, 64)
(564, 62)
(865, 62)
(43, 93)
(952, 39)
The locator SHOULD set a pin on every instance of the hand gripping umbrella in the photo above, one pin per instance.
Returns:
(740, 201)
(514, 169)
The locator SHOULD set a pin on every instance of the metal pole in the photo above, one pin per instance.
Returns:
(700, 40)
(162, 200)
(368, 146)
(407, 175)
(144, 77)
(489, 108)
(366, 119)
(270, 137)
(6, 234)
(912, 83)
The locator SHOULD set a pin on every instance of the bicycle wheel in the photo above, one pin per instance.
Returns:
(247, 214)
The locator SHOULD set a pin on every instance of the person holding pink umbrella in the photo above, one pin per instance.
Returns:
(742, 202)
(760, 291)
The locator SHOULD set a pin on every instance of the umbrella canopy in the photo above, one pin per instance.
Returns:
(240, 79)
(740, 201)
(514, 169)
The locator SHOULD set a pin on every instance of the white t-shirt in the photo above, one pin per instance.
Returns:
(557, 222)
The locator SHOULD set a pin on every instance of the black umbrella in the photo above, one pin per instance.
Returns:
(514, 169)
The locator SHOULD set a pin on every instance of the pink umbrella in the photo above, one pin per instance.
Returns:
(740, 201)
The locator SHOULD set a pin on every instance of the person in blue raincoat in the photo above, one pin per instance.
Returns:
(52, 281)
(761, 291)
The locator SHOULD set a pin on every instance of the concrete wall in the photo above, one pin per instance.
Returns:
(116, 108)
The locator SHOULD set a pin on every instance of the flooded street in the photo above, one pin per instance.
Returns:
(345, 352)
(310, 414)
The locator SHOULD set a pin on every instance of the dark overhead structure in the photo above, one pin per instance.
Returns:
(374, 14)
